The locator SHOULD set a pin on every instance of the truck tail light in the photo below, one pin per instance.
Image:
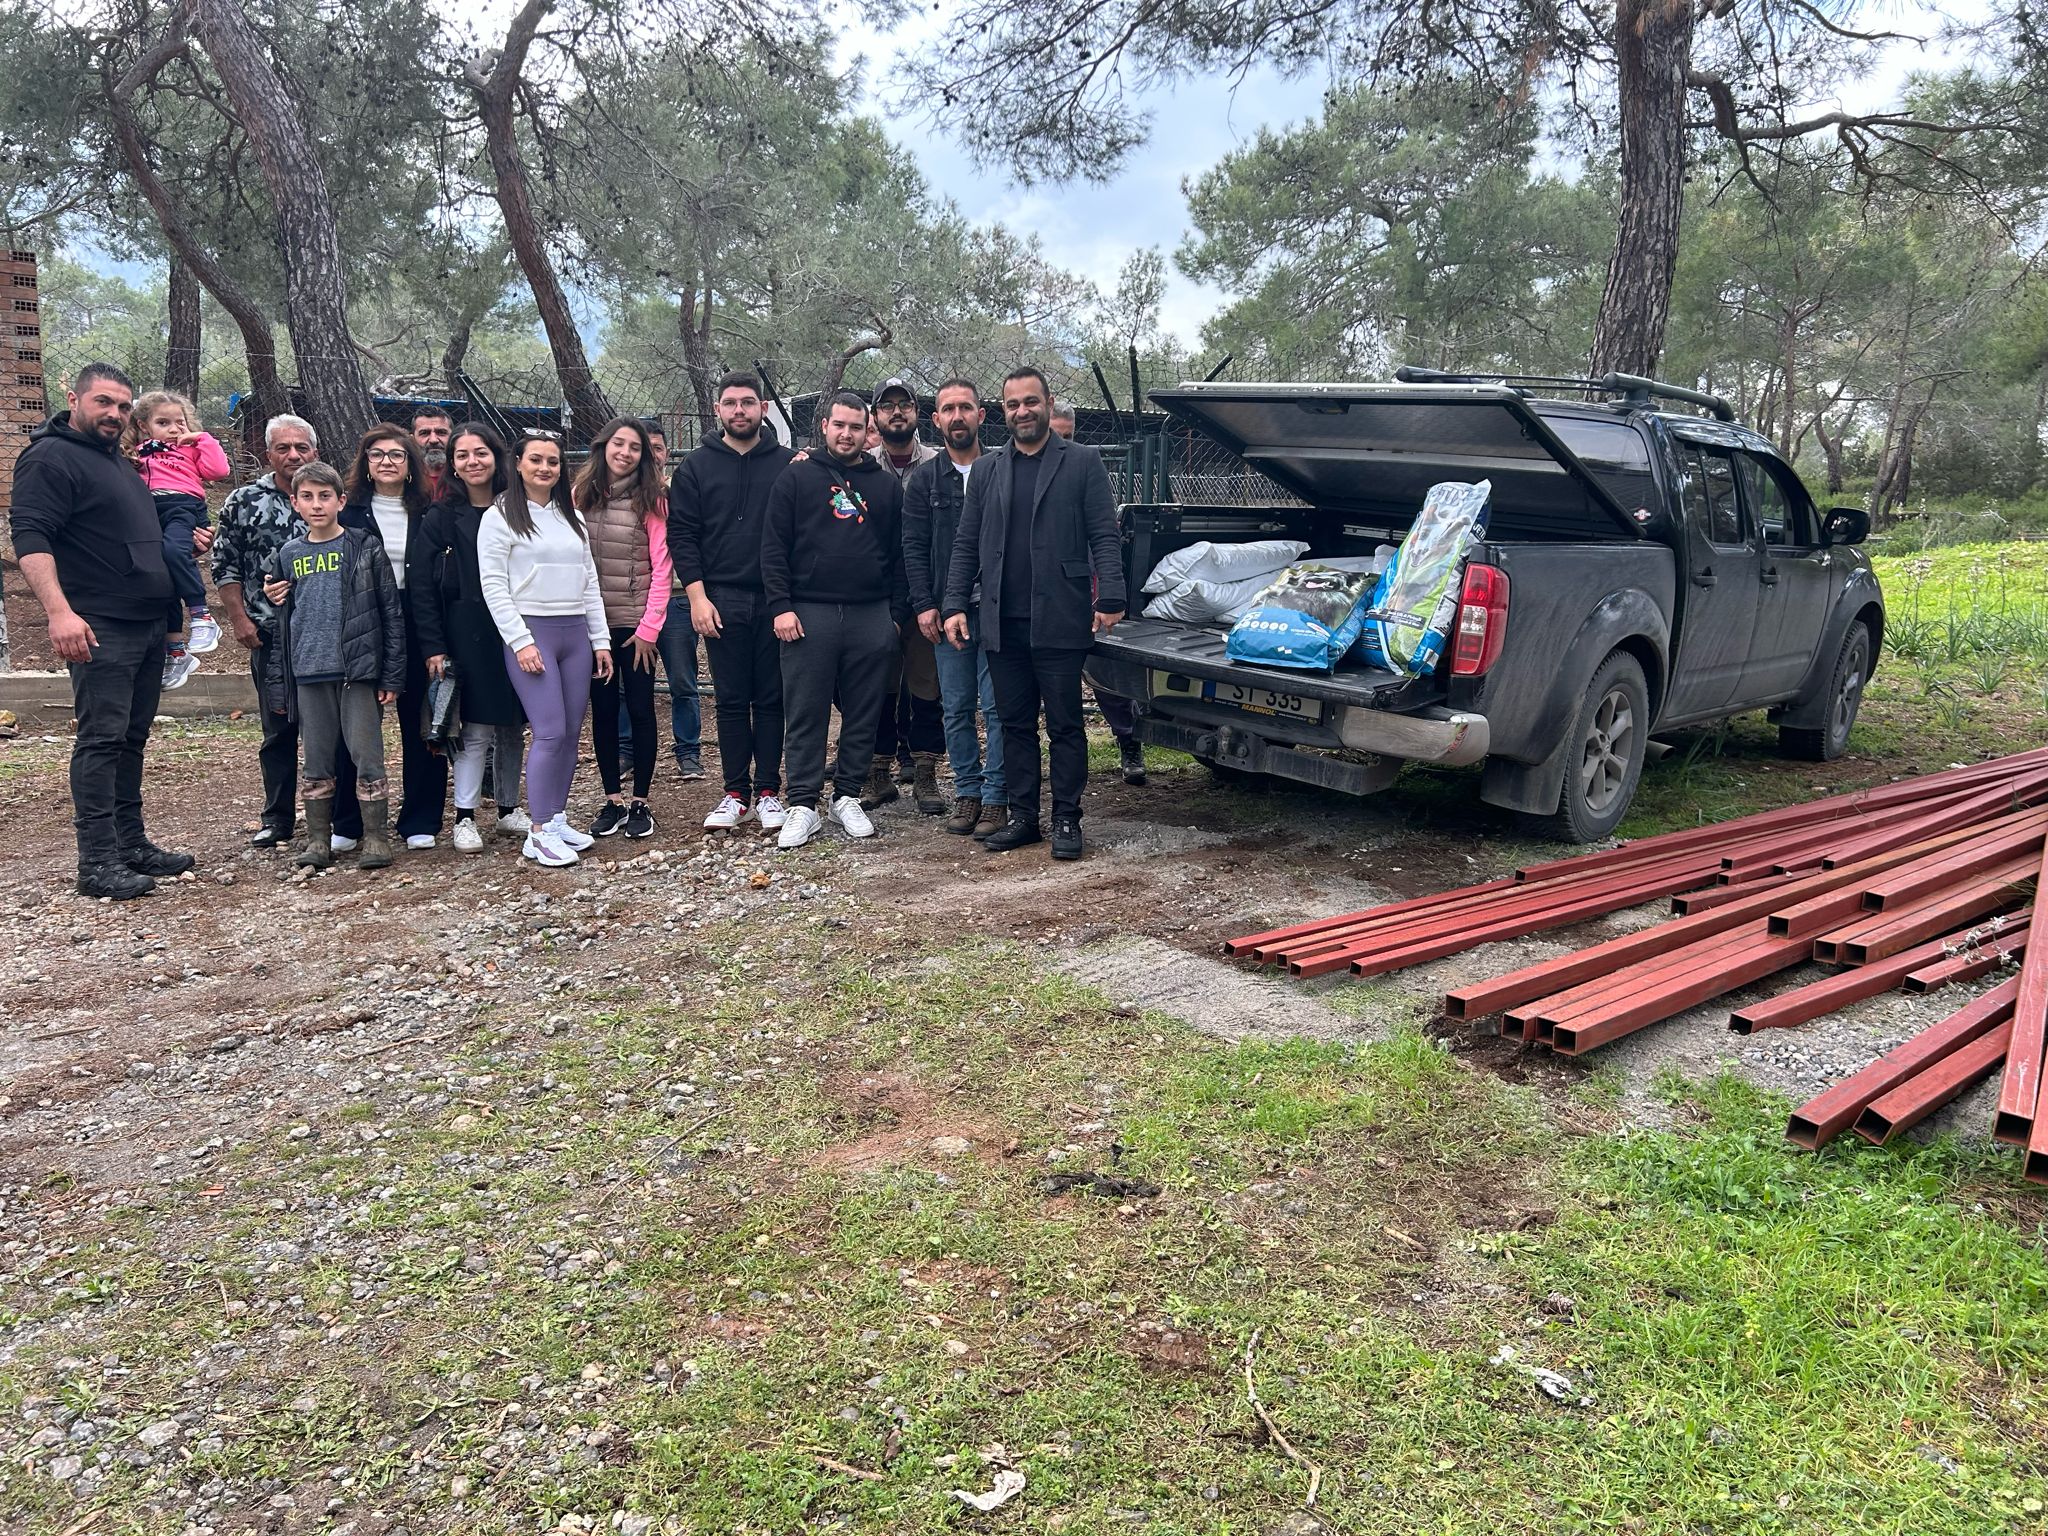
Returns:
(1482, 621)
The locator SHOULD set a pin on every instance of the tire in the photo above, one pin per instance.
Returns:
(1604, 756)
(1825, 743)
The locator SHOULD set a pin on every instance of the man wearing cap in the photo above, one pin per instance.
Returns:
(913, 725)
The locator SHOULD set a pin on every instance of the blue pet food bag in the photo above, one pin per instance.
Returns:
(1308, 617)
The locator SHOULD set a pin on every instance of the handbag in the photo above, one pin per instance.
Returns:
(441, 717)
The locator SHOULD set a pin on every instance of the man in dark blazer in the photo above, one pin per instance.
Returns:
(1038, 533)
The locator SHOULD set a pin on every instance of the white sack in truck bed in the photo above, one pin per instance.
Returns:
(1220, 563)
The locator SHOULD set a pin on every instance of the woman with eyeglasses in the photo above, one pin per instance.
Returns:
(540, 584)
(458, 635)
(387, 499)
(625, 508)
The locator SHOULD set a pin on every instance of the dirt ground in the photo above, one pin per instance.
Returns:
(135, 1015)
(155, 1055)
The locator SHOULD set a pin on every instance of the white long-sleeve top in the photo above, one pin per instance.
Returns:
(547, 575)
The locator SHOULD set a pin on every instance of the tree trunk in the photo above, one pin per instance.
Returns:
(1652, 44)
(1895, 474)
(1895, 411)
(181, 351)
(693, 328)
(1832, 448)
(455, 354)
(309, 242)
(1788, 367)
(835, 370)
(495, 93)
(258, 342)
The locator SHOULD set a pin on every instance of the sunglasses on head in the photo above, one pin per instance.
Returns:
(539, 435)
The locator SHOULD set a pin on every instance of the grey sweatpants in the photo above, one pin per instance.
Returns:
(347, 713)
(846, 650)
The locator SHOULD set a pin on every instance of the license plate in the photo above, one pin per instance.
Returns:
(1246, 696)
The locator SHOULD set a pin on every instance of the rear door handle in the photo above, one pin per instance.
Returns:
(1703, 578)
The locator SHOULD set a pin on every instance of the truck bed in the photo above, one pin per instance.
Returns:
(1197, 651)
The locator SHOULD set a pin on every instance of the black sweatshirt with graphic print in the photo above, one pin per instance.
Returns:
(834, 534)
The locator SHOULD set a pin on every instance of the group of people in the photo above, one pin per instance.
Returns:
(927, 594)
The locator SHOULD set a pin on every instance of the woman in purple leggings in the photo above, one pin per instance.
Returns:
(540, 584)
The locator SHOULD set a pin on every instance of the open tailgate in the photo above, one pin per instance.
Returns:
(1375, 450)
(1168, 649)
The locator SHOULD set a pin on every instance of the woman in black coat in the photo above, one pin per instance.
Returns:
(458, 637)
(387, 499)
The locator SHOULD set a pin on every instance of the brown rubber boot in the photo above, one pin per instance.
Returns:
(880, 788)
(993, 819)
(924, 784)
(376, 852)
(966, 815)
(319, 850)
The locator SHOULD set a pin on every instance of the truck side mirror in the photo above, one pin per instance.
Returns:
(1845, 525)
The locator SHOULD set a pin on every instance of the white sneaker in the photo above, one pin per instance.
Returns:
(203, 636)
(729, 813)
(772, 813)
(467, 839)
(514, 823)
(341, 844)
(853, 821)
(559, 829)
(798, 827)
(178, 670)
(420, 842)
(541, 847)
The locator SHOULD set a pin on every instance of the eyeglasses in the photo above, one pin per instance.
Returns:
(386, 455)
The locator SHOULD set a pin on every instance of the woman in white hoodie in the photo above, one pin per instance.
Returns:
(540, 584)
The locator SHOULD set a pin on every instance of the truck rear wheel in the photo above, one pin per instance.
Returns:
(1823, 744)
(1604, 756)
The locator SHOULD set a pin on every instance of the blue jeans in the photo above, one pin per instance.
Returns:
(964, 681)
(678, 645)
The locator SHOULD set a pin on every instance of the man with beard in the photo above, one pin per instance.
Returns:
(932, 499)
(912, 728)
(86, 533)
(1118, 713)
(431, 427)
(832, 572)
(716, 504)
(1037, 532)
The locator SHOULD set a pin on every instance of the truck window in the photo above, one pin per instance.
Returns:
(1711, 503)
(1613, 452)
(1770, 506)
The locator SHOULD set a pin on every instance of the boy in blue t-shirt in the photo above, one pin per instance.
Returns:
(341, 628)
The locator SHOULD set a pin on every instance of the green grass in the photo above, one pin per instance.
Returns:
(1954, 605)
(1768, 1342)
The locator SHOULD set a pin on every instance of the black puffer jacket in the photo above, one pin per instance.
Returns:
(372, 620)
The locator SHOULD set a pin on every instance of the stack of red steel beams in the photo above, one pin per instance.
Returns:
(1923, 883)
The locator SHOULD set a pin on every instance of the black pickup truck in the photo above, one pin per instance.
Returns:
(1646, 567)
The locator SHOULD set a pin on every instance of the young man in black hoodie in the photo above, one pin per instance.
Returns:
(832, 571)
(716, 501)
(85, 531)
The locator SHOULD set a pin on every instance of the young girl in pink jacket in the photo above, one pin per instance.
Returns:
(176, 461)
